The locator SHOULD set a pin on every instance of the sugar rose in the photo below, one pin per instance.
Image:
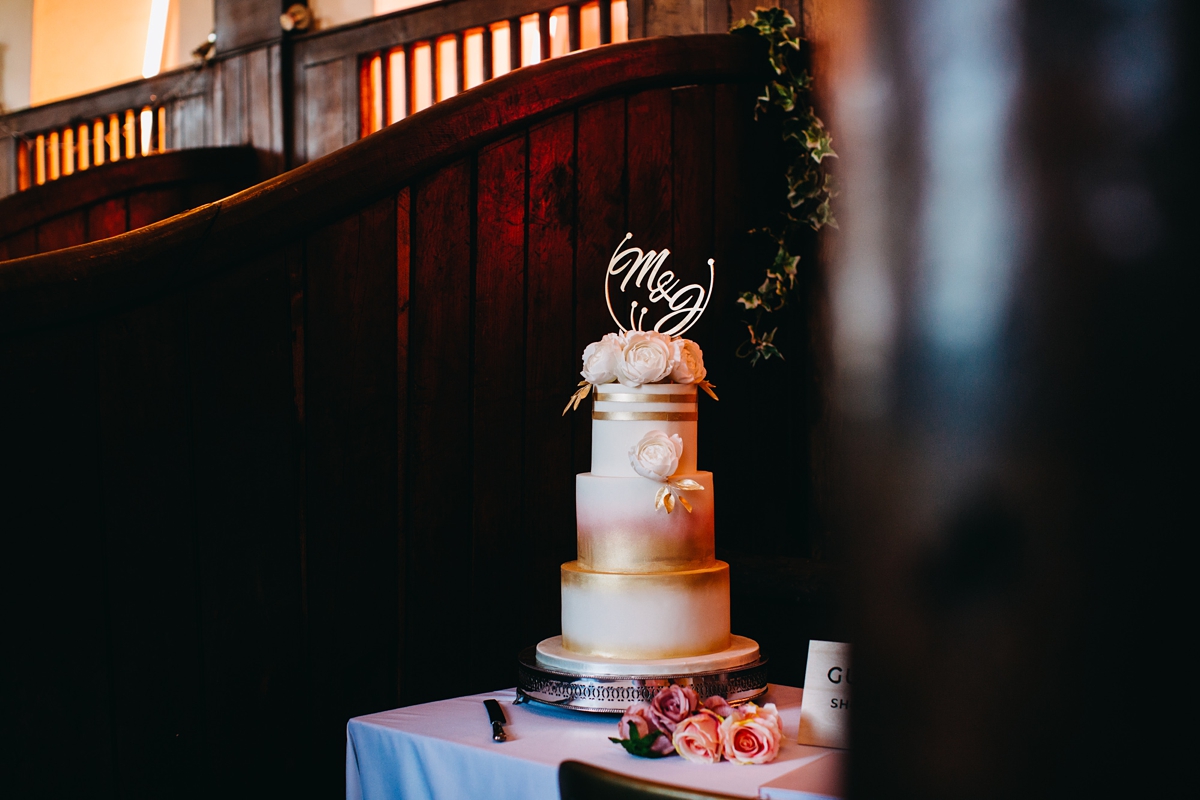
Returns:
(752, 735)
(698, 738)
(689, 362)
(646, 358)
(600, 359)
(656, 456)
(636, 716)
(671, 706)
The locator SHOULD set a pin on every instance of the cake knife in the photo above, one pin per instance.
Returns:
(496, 715)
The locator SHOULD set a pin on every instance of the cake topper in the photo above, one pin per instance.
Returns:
(685, 303)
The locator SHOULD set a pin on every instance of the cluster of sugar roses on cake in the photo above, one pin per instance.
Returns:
(675, 721)
(635, 358)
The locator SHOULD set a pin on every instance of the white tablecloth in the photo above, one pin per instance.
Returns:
(444, 751)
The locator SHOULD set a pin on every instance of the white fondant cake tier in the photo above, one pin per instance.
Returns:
(621, 420)
(620, 530)
(552, 655)
(645, 616)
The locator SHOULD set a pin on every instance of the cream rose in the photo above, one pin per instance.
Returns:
(600, 359)
(656, 456)
(698, 738)
(752, 735)
(646, 358)
(689, 362)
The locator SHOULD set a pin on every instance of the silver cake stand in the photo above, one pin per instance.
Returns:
(613, 693)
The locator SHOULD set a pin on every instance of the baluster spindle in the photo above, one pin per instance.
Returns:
(572, 28)
(605, 21)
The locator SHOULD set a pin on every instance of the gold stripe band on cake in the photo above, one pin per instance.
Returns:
(642, 397)
(658, 416)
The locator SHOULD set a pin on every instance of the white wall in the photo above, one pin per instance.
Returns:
(16, 41)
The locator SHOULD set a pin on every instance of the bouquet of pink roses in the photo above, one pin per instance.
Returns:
(675, 721)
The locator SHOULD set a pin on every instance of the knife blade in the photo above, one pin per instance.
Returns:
(496, 715)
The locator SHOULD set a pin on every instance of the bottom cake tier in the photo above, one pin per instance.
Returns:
(652, 615)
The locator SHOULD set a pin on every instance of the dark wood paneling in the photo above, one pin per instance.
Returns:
(550, 371)
(242, 422)
(438, 544)
(230, 102)
(154, 205)
(240, 24)
(64, 231)
(350, 433)
(19, 244)
(107, 218)
(648, 134)
(600, 226)
(143, 401)
(499, 399)
(325, 109)
(403, 335)
(53, 586)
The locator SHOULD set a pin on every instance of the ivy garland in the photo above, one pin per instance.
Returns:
(806, 145)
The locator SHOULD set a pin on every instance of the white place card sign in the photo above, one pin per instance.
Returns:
(825, 708)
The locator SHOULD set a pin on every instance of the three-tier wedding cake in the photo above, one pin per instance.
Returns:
(646, 596)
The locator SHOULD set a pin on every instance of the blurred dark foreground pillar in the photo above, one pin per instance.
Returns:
(1009, 335)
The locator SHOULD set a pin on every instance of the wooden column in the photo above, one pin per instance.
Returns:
(572, 28)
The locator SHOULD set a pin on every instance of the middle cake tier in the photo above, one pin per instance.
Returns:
(645, 615)
(620, 530)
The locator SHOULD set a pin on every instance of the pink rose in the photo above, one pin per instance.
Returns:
(751, 735)
(718, 705)
(698, 738)
(672, 705)
(638, 716)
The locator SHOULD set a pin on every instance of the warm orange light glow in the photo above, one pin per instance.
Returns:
(589, 26)
(422, 84)
(68, 167)
(560, 32)
(40, 160)
(620, 21)
(397, 85)
(98, 142)
(376, 118)
(84, 149)
(473, 57)
(130, 134)
(162, 128)
(501, 62)
(447, 67)
(114, 138)
(531, 40)
(55, 155)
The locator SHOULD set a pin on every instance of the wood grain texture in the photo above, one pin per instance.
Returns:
(651, 183)
(499, 399)
(150, 550)
(439, 433)
(600, 226)
(152, 205)
(324, 127)
(65, 231)
(403, 337)
(549, 370)
(107, 218)
(249, 561)
(350, 434)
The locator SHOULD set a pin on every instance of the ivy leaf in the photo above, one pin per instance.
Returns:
(750, 300)
(822, 216)
(818, 141)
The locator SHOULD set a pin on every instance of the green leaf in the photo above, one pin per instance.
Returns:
(638, 745)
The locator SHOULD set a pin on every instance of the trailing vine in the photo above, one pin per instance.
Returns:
(806, 144)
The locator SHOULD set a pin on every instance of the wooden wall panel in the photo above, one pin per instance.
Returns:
(249, 559)
(350, 432)
(150, 549)
(107, 218)
(190, 122)
(65, 231)
(325, 109)
(18, 245)
(150, 206)
(648, 134)
(58, 691)
(550, 372)
(439, 435)
(499, 406)
(403, 337)
(600, 226)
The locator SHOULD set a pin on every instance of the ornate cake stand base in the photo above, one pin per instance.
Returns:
(554, 676)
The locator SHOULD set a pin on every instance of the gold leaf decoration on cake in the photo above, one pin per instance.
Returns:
(578, 397)
(708, 389)
(667, 495)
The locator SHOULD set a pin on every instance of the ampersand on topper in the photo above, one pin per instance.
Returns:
(685, 302)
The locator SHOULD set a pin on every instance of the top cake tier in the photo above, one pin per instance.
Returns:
(621, 416)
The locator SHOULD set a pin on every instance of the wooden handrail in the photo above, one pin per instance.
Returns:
(55, 287)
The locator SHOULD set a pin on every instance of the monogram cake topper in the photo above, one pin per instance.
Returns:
(685, 302)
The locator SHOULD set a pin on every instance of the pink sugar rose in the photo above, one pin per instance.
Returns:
(752, 735)
(671, 706)
(718, 705)
(637, 716)
(698, 738)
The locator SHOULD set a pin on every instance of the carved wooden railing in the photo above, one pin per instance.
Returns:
(297, 455)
